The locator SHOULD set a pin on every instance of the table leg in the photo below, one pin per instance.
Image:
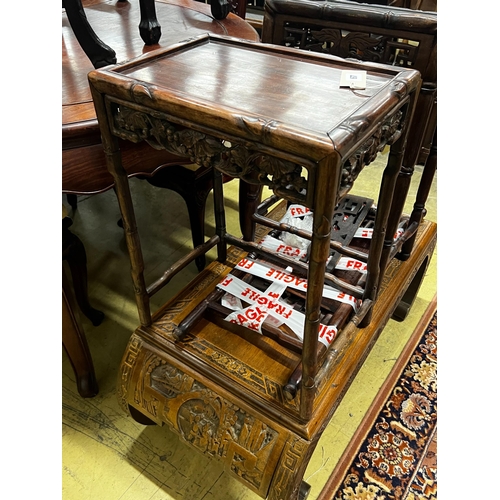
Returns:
(149, 27)
(423, 192)
(75, 344)
(73, 252)
(249, 199)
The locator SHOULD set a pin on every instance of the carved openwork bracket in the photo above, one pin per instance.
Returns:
(242, 161)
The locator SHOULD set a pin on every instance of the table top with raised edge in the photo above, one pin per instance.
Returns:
(260, 92)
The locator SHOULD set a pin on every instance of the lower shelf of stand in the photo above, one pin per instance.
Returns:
(224, 395)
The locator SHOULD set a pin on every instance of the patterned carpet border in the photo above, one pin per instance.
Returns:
(392, 455)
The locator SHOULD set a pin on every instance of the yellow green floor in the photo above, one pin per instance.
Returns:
(107, 455)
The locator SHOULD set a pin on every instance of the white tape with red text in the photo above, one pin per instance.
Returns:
(267, 303)
(275, 275)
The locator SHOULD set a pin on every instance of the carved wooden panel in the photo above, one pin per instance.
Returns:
(205, 419)
(235, 160)
(292, 466)
(386, 134)
(364, 45)
(242, 160)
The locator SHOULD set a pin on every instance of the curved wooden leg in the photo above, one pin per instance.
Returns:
(74, 254)
(72, 200)
(97, 51)
(75, 344)
(194, 187)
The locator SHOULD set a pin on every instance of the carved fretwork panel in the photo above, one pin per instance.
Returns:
(386, 134)
(242, 161)
(366, 46)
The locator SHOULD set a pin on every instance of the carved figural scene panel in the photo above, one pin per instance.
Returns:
(210, 422)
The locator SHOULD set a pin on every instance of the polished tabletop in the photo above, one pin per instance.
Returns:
(116, 24)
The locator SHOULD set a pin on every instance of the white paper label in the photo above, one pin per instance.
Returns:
(354, 79)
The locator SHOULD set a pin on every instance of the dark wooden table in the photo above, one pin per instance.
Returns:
(83, 161)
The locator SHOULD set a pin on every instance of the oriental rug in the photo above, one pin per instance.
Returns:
(392, 455)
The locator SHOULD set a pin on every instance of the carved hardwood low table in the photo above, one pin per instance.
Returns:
(249, 362)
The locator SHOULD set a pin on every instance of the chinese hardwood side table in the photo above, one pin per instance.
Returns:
(258, 397)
